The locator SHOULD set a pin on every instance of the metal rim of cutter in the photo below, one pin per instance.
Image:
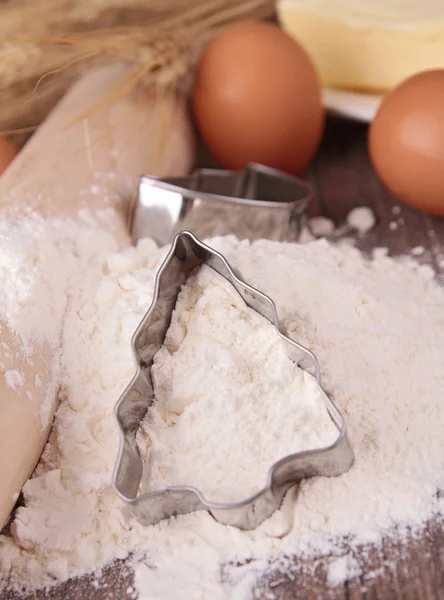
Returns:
(186, 253)
(164, 202)
(200, 182)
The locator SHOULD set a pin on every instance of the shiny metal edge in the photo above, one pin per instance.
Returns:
(173, 184)
(165, 205)
(273, 493)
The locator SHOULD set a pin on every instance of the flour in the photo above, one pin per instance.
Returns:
(14, 379)
(32, 274)
(361, 218)
(341, 569)
(39, 261)
(224, 363)
(321, 226)
(377, 327)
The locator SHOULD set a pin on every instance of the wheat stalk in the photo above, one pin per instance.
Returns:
(50, 42)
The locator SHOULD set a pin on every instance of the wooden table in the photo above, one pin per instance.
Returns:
(343, 178)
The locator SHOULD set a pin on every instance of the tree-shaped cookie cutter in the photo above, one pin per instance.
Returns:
(187, 253)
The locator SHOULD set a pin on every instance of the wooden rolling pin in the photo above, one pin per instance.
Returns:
(56, 174)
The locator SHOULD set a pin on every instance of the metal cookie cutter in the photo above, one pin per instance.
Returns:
(186, 253)
(258, 202)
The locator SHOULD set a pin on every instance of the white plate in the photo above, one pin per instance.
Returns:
(359, 107)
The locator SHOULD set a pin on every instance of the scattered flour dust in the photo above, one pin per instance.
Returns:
(14, 378)
(341, 569)
(377, 327)
(361, 218)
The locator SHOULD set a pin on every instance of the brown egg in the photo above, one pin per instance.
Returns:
(406, 141)
(7, 154)
(257, 98)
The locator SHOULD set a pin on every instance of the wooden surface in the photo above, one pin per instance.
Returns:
(413, 570)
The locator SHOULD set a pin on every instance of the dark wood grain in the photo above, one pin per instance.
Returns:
(409, 570)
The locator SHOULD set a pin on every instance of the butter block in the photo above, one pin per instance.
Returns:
(367, 45)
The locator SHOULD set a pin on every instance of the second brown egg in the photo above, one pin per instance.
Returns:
(406, 141)
(257, 98)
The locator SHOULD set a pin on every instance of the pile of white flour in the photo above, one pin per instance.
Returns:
(377, 327)
(223, 363)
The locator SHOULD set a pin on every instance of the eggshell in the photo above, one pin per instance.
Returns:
(257, 98)
(406, 141)
(7, 154)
